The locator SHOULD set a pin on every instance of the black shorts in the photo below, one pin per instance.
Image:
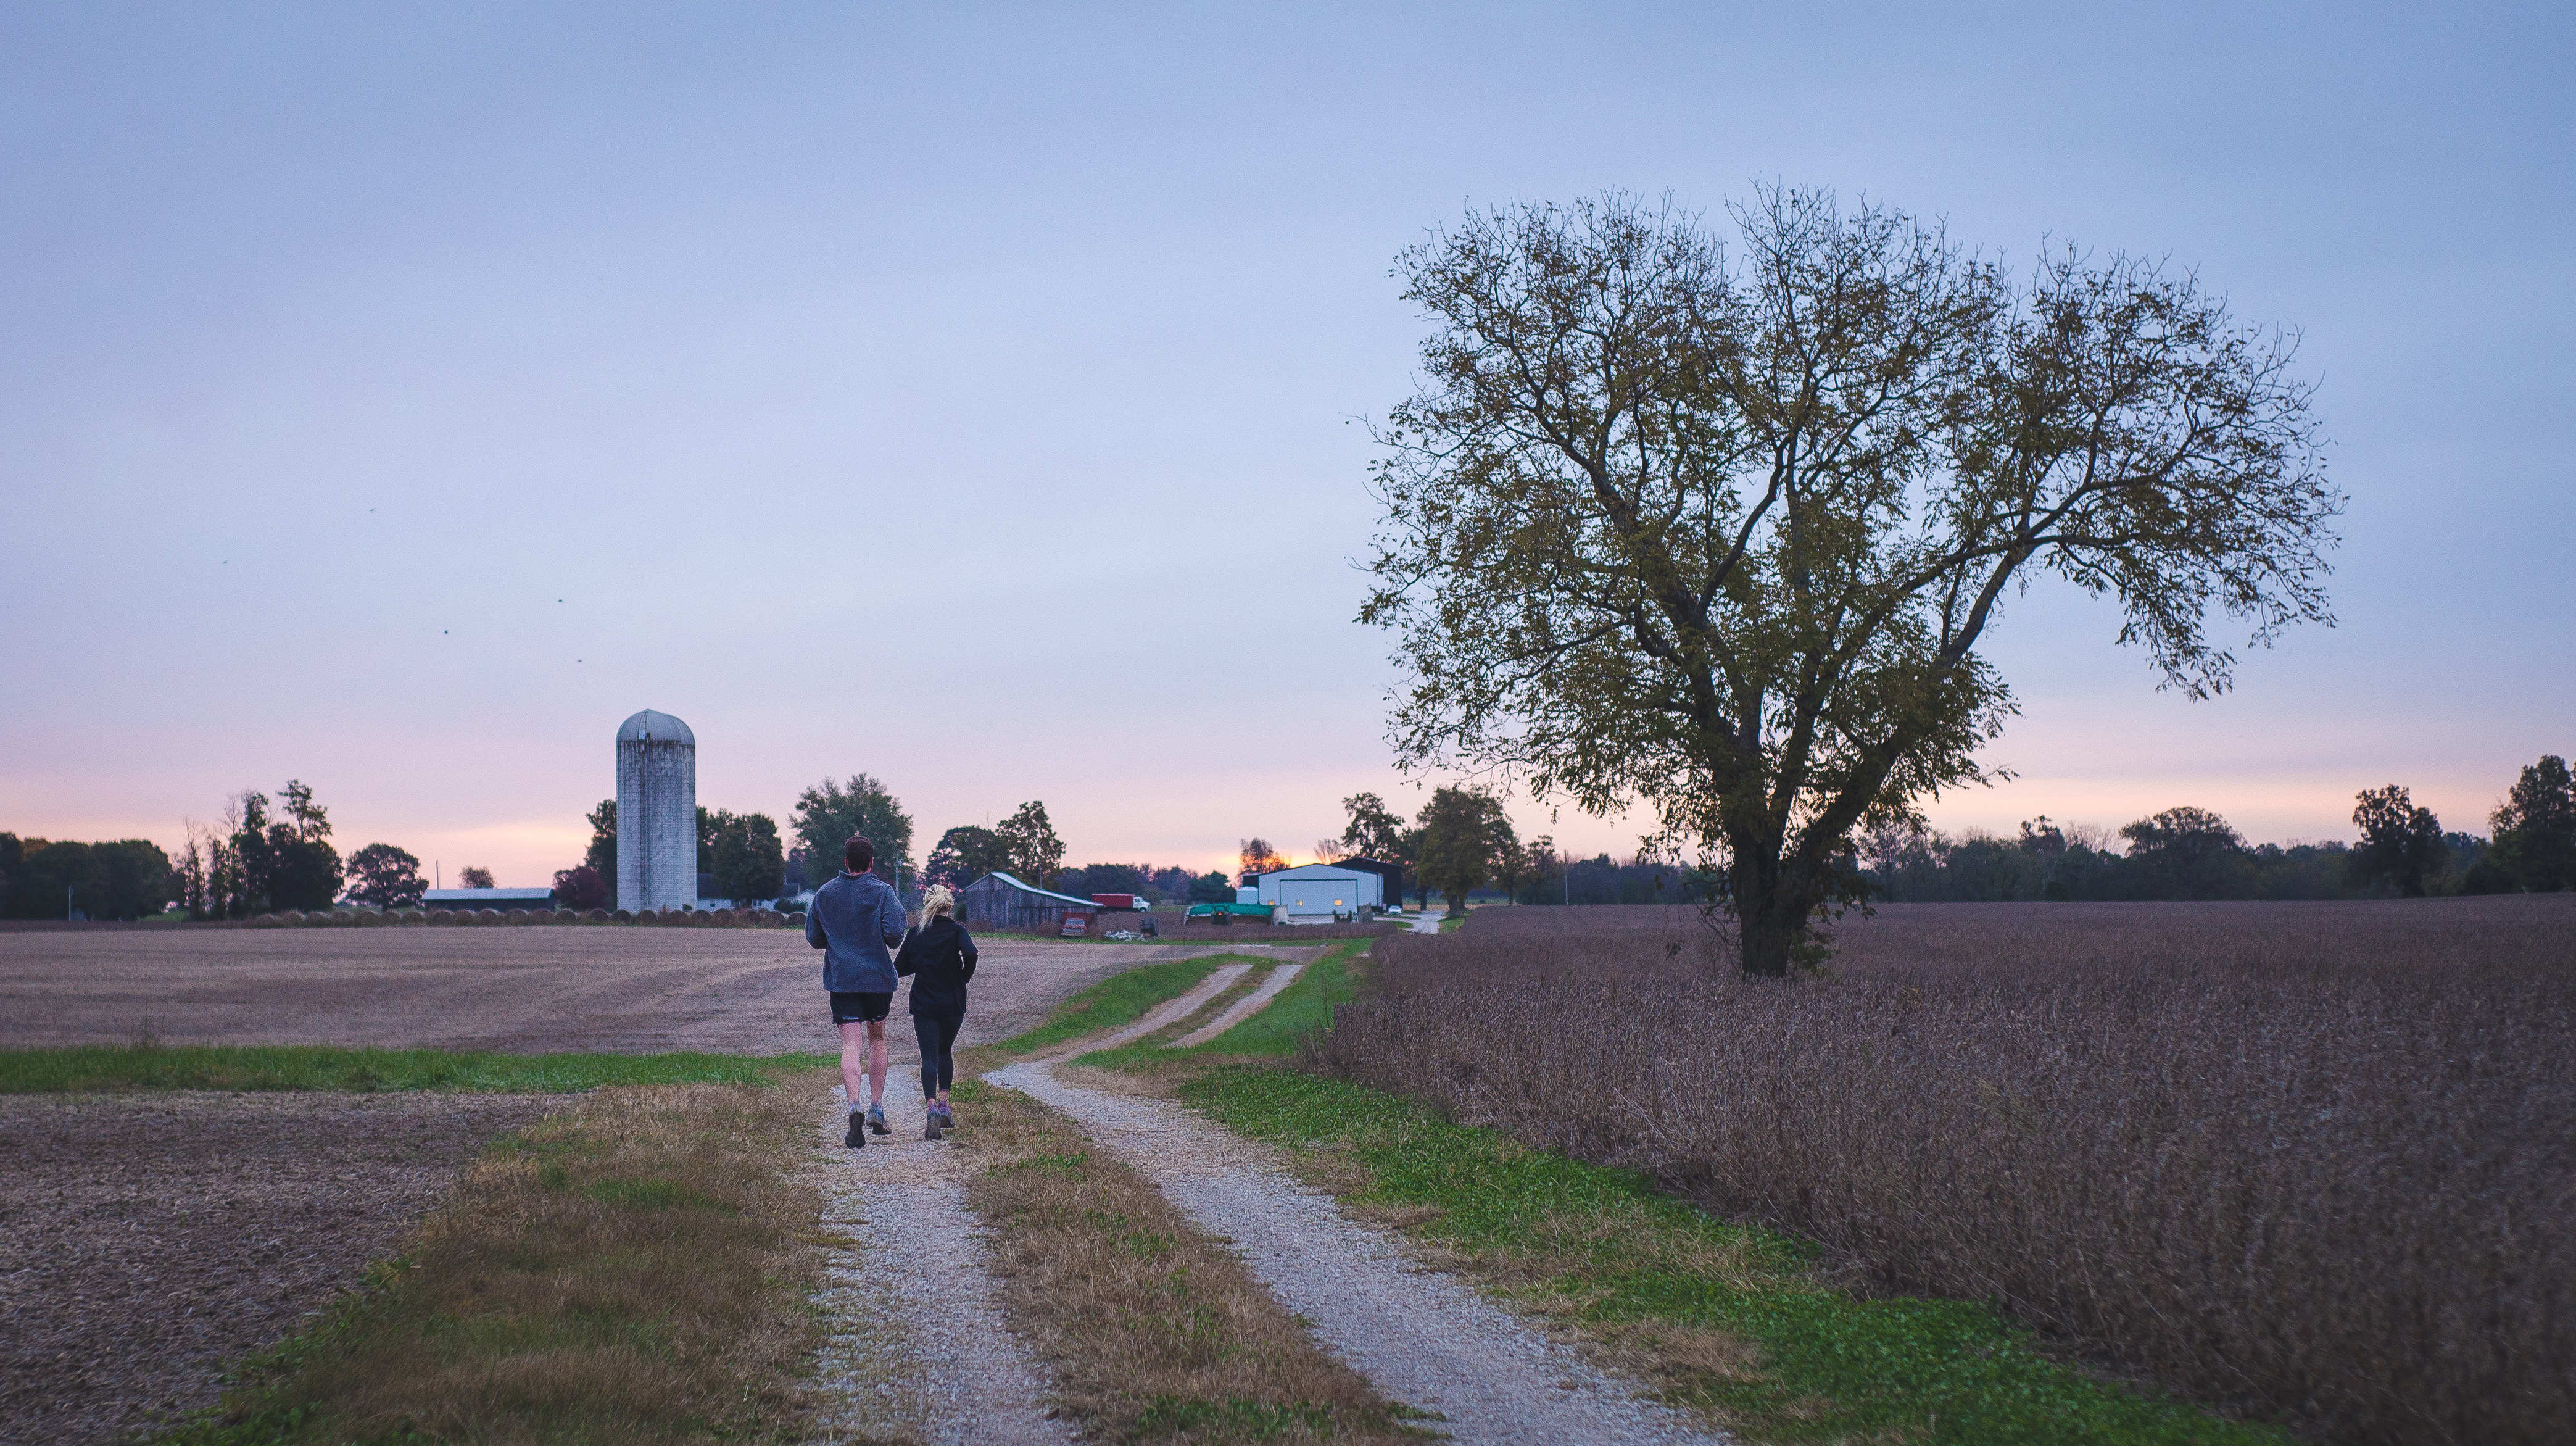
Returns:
(862, 1007)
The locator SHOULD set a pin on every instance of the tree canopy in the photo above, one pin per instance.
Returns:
(2401, 842)
(829, 813)
(966, 853)
(385, 877)
(1465, 839)
(1722, 533)
(1036, 854)
(743, 852)
(2535, 828)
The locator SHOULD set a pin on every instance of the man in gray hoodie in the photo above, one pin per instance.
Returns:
(858, 921)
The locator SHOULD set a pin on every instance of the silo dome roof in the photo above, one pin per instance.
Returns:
(662, 726)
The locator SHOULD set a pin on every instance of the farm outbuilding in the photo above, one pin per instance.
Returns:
(1315, 893)
(502, 899)
(999, 901)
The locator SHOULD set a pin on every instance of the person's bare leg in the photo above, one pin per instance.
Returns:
(854, 1061)
(876, 1063)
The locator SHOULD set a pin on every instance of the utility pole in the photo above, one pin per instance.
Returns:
(69, 913)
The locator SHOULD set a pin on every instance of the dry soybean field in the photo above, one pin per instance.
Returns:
(2316, 1161)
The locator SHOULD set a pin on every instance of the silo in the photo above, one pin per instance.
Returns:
(657, 812)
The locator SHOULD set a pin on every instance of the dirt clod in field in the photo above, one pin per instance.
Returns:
(147, 1240)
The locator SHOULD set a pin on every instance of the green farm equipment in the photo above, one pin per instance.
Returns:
(1228, 913)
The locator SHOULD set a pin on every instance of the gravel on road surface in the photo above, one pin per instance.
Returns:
(1422, 1337)
(147, 1240)
(918, 1345)
(518, 990)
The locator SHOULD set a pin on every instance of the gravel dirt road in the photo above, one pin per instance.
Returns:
(919, 1349)
(1422, 1337)
(145, 1240)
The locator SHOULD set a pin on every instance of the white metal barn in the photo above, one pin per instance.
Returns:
(1313, 893)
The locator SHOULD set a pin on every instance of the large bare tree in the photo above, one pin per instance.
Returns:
(1721, 533)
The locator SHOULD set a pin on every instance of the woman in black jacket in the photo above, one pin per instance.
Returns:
(940, 958)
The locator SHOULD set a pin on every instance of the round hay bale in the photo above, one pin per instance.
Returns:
(797, 919)
(621, 916)
(412, 916)
(487, 916)
(521, 918)
(721, 918)
(596, 916)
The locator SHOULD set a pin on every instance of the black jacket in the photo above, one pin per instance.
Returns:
(940, 959)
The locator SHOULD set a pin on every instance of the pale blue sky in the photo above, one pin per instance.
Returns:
(967, 394)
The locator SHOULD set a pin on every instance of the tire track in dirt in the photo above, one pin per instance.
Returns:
(1244, 1008)
(1421, 1336)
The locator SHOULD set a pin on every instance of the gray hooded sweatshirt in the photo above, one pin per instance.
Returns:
(857, 921)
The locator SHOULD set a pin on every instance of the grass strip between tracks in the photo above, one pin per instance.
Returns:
(1305, 1004)
(1116, 1000)
(636, 1269)
(147, 1066)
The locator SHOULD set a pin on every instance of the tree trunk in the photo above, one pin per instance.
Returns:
(1772, 912)
(1765, 940)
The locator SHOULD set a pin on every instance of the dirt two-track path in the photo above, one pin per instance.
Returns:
(915, 1298)
(1423, 1337)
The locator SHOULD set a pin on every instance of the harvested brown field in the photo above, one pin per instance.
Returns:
(727, 991)
(145, 1241)
(636, 1268)
(2313, 1161)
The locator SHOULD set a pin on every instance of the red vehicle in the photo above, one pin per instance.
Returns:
(1118, 901)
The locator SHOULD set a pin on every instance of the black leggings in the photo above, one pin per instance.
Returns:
(937, 1032)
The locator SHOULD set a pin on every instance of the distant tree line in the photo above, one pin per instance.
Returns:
(2192, 853)
(48, 879)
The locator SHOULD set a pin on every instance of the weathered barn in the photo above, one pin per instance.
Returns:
(999, 901)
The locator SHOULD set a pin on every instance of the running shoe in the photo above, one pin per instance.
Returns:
(876, 1120)
(930, 1127)
(947, 1120)
(857, 1139)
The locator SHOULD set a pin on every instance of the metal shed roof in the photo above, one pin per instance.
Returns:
(1029, 888)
